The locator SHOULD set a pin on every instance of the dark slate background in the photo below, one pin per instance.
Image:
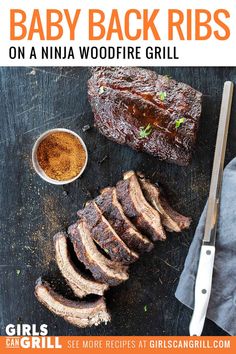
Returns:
(33, 100)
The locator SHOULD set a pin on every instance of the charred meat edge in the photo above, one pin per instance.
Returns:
(146, 218)
(171, 219)
(112, 210)
(105, 236)
(78, 313)
(79, 283)
(131, 98)
(102, 268)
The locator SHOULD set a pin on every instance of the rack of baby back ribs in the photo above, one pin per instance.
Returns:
(112, 231)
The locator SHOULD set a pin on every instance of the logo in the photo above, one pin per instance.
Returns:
(30, 336)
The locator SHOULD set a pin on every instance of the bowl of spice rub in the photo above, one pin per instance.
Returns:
(59, 156)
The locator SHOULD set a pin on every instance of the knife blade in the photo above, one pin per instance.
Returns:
(204, 275)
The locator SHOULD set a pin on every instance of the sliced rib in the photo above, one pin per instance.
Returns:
(113, 212)
(78, 313)
(105, 236)
(102, 268)
(78, 282)
(171, 219)
(145, 217)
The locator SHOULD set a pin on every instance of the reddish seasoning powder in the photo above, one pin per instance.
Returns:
(61, 155)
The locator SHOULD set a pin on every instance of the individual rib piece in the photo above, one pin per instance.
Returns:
(112, 210)
(126, 100)
(79, 283)
(78, 313)
(135, 206)
(102, 268)
(171, 219)
(105, 236)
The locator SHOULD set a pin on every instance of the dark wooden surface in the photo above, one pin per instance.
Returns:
(34, 100)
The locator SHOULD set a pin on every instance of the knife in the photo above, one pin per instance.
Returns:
(203, 281)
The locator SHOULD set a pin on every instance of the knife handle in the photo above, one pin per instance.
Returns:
(202, 289)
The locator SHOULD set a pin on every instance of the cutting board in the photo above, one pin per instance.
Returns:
(33, 100)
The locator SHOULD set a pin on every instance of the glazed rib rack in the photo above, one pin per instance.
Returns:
(146, 111)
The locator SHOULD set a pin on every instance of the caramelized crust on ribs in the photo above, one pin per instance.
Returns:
(103, 269)
(171, 219)
(105, 236)
(112, 210)
(142, 214)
